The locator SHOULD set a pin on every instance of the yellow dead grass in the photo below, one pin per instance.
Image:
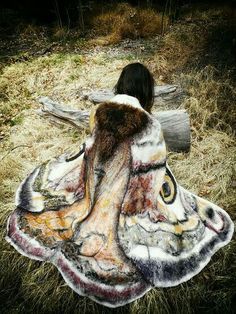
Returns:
(210, 100)
(209, 169)
(124, 21)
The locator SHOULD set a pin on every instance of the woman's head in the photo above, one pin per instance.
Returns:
(137, 81)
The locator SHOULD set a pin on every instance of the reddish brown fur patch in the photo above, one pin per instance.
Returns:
(115, 123)
(138, 198)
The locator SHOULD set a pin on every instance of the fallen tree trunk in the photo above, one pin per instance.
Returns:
(163, 94)
(175, 123)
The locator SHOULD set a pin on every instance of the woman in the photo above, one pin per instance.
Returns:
(113, 218)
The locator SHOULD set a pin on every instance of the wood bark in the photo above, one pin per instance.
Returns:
(162, 94)
(175, 123)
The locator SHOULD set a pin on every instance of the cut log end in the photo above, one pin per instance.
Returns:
(176, 129)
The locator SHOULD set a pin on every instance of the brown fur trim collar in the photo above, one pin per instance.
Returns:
(115, 123)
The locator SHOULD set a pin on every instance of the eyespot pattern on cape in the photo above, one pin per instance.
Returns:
(169, 188)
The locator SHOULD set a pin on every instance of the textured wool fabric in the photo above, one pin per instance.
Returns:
(112, 218)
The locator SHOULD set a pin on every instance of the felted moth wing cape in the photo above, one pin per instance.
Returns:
(112, 218)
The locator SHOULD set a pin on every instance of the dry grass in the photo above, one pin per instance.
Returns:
(22, 82)
(210, 99)
(124, 21)
(209, 169)
(178, 47)
(201, 37)
(59, 75)
(213, 174)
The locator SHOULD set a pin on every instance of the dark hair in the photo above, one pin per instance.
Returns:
(137, 81)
